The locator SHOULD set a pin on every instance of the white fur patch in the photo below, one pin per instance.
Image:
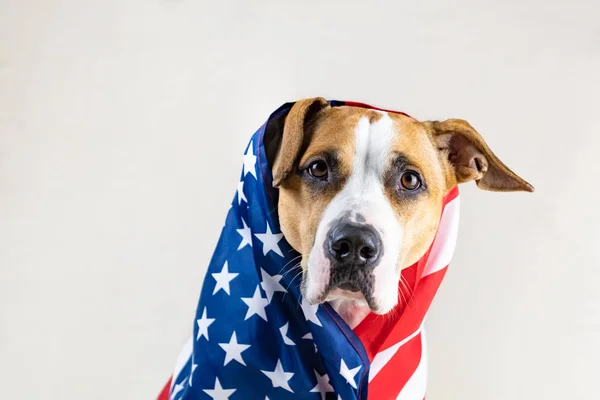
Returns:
(364, 194)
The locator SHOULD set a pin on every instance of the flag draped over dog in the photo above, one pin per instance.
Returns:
(255, 337)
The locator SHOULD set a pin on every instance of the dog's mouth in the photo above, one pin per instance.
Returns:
(349, 286)
(355, 284)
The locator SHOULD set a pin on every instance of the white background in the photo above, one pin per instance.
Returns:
(122, 125)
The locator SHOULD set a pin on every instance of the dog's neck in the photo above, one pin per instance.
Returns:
(353, 312)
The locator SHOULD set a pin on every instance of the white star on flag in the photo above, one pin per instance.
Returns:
(270, 240)
(194, 366)
(270, 284)
(310, 311)
(233, 350)
(240, 191)
(176, 389)
(349, 374)
(246, 235)
(218, 393)
(323, 386)
(203, 323)
(284, 330)
(250, 161)
(279, 378)
(223, 278)
(256, 305)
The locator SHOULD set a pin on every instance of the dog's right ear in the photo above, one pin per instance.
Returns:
(284, 145)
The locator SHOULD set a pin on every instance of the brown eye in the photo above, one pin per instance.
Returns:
(318, 169)
(410, 181)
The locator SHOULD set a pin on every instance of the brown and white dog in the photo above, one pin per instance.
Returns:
(360, 195)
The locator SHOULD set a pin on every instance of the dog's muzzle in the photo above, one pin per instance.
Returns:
(353, 250)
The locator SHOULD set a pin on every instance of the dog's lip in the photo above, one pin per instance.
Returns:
(337, 292)
(349, 286)
(350, 291)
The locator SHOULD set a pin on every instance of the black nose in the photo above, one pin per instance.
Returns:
(353, 244)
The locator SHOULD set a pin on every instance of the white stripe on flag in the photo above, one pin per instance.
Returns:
(416, 387)
(445, 241)
(182, 359)
(382, 358)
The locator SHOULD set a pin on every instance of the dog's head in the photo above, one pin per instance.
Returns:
(361, 193)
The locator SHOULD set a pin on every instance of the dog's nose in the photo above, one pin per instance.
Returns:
(351, 244)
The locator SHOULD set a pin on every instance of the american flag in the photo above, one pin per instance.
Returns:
(255, 337)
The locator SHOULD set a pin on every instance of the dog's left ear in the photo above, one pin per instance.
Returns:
(285, 143)
(472, 159)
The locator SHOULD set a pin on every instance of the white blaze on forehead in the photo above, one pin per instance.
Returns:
(364, 188)
(373, 145)
(363, 194)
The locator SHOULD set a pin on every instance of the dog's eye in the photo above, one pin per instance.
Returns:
(410, 180)
(318, 169)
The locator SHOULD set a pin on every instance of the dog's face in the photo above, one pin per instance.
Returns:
(361, 193)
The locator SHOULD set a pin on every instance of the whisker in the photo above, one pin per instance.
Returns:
(403, 278)
(288, 263)
(401, 290)
(294, 266)
(291, 269)
(273, 209)
(291, 281)
(405, 286)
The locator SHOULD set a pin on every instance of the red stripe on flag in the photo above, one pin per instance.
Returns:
(398, 370)
(164, 394)
(378, 333)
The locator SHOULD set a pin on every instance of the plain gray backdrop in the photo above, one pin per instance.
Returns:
(122, 126)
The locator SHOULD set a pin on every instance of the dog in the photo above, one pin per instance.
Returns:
(361, 197)
(360, 194)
